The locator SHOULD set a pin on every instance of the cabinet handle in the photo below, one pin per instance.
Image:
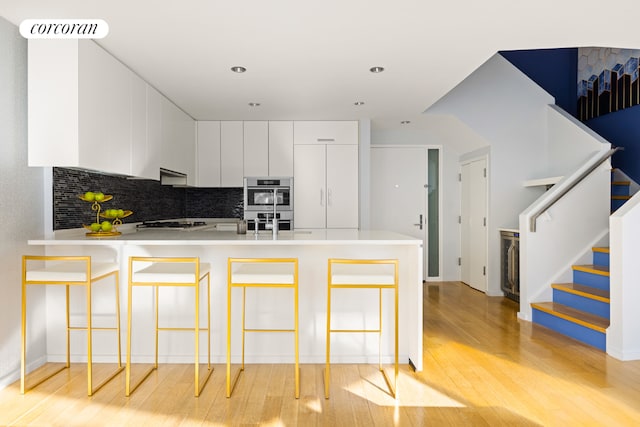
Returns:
(329, 197)
(321, 197)
(326, 139)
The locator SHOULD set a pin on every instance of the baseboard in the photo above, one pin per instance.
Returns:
(624, 356)
(14, 374)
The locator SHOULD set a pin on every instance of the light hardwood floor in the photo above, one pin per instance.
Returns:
(481, 367)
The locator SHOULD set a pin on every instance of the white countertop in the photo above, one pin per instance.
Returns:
(212, 237)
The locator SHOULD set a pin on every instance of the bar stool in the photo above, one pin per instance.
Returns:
(363, 274)
(164, 272)
(261, 273)
(69, 271)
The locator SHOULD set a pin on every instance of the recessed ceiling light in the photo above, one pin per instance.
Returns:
(358, 103)
(238, 69)
(405, 122)
(254, 104)
(376, 69)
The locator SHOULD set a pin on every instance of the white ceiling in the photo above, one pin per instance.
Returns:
(310, 59)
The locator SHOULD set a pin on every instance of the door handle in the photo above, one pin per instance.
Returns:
(420, 223)
(329, 197)
(321, 197)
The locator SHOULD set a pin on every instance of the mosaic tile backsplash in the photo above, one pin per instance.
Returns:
(148, 200)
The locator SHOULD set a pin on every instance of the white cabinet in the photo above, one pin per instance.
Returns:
(178, 141)
(256, 148)
(309, 186)
(342, 186)
(281, 148)
(88, 110)
(140, 159)
(325, 186)
(79, 106)
(325, 132)
(208, 154)
(231, 154)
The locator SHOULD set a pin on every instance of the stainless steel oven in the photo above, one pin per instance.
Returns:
(265, 197)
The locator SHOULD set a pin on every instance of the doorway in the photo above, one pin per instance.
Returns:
(406, 197)
(473, 221)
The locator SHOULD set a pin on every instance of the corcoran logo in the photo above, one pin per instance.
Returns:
(64, 28)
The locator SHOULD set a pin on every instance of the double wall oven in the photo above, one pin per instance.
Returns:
(266, 198)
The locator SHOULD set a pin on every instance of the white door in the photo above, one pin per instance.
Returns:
(309, 193)
(342, 186)
(474, 224)
(399, 193)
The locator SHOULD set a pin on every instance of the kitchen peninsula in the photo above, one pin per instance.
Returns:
(311, 247)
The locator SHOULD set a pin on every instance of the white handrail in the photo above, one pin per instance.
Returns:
(542, 209)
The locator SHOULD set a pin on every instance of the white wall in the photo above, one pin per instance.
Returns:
(623, 335)
(449, 188)
(21, 193)
(564, 235)
(507, 109)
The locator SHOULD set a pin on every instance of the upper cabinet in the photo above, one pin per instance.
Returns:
(325, 132)
(88, 110)
(227, 151)
(256, 148)
(79, 106)
(177, 151)
(208, 153)
(231, 154)
(281, 148)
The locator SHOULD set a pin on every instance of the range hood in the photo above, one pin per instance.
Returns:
(169, 177)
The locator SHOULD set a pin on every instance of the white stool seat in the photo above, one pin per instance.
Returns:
(264, 273)
(364, 274)
(68, 271)
(170, 273)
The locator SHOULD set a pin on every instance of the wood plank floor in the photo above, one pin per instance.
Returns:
(482, 367)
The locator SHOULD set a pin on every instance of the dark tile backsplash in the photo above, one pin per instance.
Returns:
(148, 200)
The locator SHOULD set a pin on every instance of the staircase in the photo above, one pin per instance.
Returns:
(580, 309)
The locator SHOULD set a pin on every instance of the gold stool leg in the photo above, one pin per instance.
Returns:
(89, 342)
(23, 338)
(229, 333)
(156, 323)
(296, 339)
(327, 366)
(68, 327)
(127, 391)
(197, 342)
(117, 285)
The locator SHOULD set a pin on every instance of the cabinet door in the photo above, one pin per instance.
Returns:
(309, 195)
(169, 154)
(325, 132)
(154, 134)
(281, 148)
(186, 137)
(104, 93)
(139, 128)
(231, 152)
(208, 154)
(342, 186)
(256, 148)
(52, 102)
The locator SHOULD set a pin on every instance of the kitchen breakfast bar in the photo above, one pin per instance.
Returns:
(265, 307)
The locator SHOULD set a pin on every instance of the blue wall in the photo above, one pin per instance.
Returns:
(622, 129)
(554, 70)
